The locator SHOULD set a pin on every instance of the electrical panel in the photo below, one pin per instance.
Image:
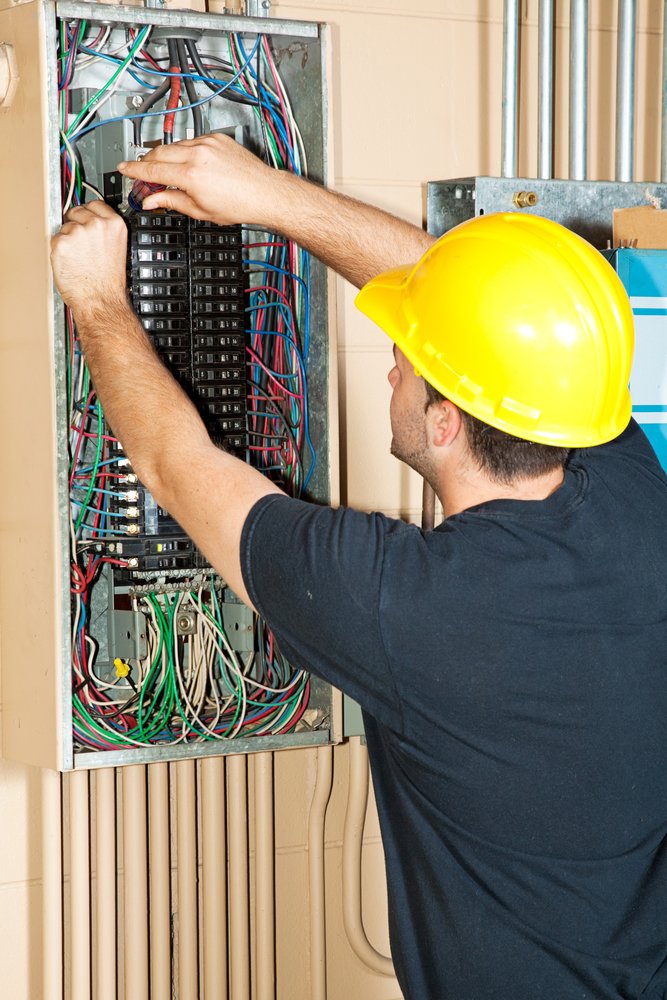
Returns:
(142, 652)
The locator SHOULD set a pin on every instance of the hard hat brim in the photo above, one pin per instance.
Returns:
(381, 299)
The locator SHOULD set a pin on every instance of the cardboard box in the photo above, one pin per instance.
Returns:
(644, 227)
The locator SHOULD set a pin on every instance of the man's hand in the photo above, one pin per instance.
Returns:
(88, 257)
(214, 178)
(210, 177)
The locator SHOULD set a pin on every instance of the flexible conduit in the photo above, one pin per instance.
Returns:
(352, 840)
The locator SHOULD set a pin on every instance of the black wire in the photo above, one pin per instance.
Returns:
(195, 58)
(147, 103)
(190, 88)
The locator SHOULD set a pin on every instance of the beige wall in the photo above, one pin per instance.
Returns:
(416, 95)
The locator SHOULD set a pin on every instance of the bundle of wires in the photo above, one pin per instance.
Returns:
(189, 686)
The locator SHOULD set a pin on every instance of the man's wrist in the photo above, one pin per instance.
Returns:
(102, 310)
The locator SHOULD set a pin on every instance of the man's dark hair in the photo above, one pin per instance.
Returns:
(502, 456)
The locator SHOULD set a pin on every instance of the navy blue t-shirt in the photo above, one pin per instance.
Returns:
(512, 668)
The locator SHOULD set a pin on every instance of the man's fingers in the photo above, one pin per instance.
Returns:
(177, 201)
(81, 214)
(154, 172)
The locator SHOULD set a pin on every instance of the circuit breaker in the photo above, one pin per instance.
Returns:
(119, 642)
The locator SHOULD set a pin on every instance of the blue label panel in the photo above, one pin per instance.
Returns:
(657, 435)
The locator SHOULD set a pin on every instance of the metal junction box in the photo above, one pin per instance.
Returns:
(585, 207)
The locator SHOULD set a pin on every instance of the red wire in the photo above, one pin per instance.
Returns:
(172, 103)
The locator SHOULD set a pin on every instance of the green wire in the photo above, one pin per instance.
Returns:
(137, 44)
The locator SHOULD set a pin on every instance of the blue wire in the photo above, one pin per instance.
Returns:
(115, 59)
(165, 111)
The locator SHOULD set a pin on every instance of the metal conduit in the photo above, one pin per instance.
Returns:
(663, 135)
(265, 936)
(105, 870)
(428, 507)
(135, 881)
(239, 936)
(316, 885)
(625, 90)
(510, 128)
(79, 836)
(545, 91)
(214, 877)
(160, 878)
(186, 825)
(52, 881)
(578, 124)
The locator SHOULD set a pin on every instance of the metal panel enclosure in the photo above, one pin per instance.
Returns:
(35, 616)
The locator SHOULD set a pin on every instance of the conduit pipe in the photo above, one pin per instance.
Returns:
(105, 870)
(663, 135)
(239, 934)
(80, 884)
(135, 881)
(52, 887)
(352, 841)
(186, 824)
(265, 932)
(160, 878)
(428, 507)
(510, 125)
(578, 90)
(214, 877)
(625, 89)
(316, 824)
(545, 91)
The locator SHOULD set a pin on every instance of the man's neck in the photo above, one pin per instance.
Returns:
(468, 487)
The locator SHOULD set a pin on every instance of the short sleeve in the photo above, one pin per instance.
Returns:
(315, 576)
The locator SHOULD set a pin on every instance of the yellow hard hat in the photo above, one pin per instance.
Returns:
(519, 322)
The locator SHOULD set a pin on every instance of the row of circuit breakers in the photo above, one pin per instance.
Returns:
(188, 288)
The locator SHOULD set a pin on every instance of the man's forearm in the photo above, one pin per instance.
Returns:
(145, 407)
(357, 240)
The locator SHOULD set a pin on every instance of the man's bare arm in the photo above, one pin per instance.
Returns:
(214, 178)
(208, 491)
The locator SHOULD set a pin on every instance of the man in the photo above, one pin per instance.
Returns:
(511, 663)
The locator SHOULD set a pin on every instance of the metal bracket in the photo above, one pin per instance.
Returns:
(239, 623)
(129, 635)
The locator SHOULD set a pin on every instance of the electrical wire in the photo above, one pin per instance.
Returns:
(185, 681)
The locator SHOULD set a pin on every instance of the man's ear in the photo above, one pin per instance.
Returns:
(444, 423)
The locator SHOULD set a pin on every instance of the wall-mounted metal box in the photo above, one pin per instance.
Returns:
(84, 74)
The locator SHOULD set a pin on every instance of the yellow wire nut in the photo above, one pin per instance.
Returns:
(122, 668)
